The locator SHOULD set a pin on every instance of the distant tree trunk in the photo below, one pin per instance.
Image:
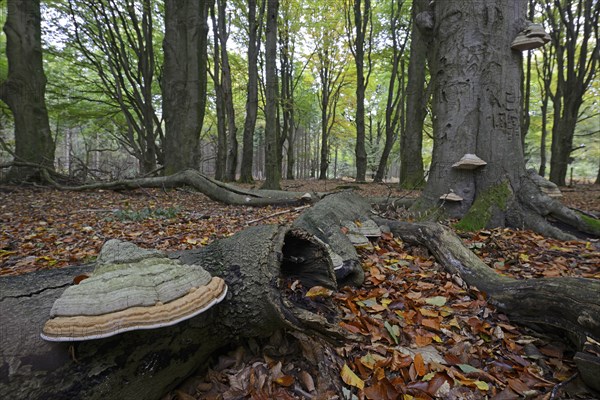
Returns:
(574, 34)
(232, 143)
(221, 160)
(395, 96)
(287, 89)
(545, 83)
(411, 139)
(24, 89)
(477, 111)
(526, 88)
(331, 78)
(361, 16)
(272, 166)
(254, 39)
(184, 87)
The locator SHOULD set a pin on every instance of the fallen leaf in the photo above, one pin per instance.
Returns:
(350, 378)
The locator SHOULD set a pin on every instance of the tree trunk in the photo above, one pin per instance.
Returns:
(232, 143)
(24, 90)
(411, 139)
(477, 108)
(574, 35)
(362, 21)
(221, 160)
(184, 87)
(272, 166)
(395, 98)
(254, 40)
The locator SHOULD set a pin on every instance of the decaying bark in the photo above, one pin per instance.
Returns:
(258, 264)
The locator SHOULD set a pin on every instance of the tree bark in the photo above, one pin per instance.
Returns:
(272, 167)
(574, 35)
(232, 143)
(254, 39)
(411, 139)
(221, 160)
(184, 87)
(24, 89)
(477, 108)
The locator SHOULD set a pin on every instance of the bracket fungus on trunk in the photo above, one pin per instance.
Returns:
(469, 161)
(143, 294)
(451, 197)
(530, 38)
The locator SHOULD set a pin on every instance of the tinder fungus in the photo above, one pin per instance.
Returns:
(145, 294)
(469, 161)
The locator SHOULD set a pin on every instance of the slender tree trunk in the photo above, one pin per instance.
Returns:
(324, 164)
(362, 21)
(254, 35)
(272, 165)
(232, 143)
(411, 139)
(184, 88)
(24, 89)
(395, 101)
(221, 160)
(574, 35)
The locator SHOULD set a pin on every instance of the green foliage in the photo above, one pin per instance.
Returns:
(146, 213)
(482, 209)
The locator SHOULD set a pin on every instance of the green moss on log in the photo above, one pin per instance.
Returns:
(592, 223)
(480, 213)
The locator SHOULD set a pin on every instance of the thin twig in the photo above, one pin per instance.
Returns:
(556, 388)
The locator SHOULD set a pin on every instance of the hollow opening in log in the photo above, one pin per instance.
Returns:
(306, 260)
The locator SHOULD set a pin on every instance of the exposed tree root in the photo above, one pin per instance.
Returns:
(216, 190)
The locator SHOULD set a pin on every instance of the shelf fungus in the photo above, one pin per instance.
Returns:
(469, 161)
(451, 197)
(530, 38)
(145, 294)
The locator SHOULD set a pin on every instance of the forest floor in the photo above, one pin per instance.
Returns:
(427, 335)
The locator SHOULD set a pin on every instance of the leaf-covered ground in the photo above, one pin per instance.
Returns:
(424, 333)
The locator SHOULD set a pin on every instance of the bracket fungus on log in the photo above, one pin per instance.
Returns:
(145, 294)
(469, 161)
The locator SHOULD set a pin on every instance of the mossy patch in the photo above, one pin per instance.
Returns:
(592, 223)
(482, 209)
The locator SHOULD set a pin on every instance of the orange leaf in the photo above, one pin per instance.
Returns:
(285, 380)
(420, 365)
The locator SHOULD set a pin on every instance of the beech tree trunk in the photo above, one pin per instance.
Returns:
(272, 167)
(476, 102)
(411, 139)
(254, 39)
(184, 86)
(24, 90)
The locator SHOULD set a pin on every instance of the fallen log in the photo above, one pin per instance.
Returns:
(256, 265)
